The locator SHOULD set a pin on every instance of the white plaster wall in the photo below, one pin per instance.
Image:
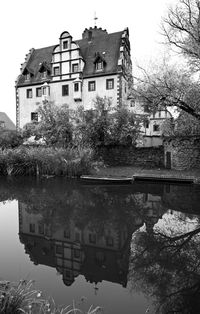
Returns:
(27, 105)
(89, 97)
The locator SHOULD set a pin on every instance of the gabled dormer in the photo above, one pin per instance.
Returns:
(28, 74)
(44, 70)
(99, 62)
(65, 41)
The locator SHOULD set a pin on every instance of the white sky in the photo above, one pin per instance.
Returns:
(34, 24)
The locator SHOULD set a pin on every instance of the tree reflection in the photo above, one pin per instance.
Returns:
(88, 230)
(165, 264)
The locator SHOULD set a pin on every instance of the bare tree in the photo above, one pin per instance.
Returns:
(181, 28)
(168, 86)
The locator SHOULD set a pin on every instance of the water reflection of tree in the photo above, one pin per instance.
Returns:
(165, 264)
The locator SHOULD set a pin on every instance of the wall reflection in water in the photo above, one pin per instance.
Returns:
(145, 236)
(86, 229)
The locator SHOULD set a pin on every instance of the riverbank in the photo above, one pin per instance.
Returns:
(192, 175)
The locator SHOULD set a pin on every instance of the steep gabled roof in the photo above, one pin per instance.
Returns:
(38, 56)
(106, 45)
(9, 125)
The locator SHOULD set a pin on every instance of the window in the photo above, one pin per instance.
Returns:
(65, 90)
(34, 116)
(109, 241)
(156, 128)
(91, 86)
(41, 229)
(46, 90)
(146, 124)
(92, 238)
(110, 84)
(59, 249)
(99, 65)
(100, 257)
(44, 74)
(67, 234)
(38, 92)
(56, 71)
(2, 124)
(65, 44)
(29, 93)
(27, 76)
(76, 87)
(77, 237)
(32, 228)
(77, 253)
(75, 67)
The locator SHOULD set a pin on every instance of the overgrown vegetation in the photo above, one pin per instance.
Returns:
(102, 125)
(69, 162)
(22, 298)
(67, 139)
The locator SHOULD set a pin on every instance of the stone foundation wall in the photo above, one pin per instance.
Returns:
(132, 156)
(184, 152)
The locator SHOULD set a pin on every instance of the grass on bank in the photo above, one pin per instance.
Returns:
(71, 162)
(22, 298)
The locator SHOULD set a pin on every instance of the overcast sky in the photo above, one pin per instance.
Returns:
(34, 24)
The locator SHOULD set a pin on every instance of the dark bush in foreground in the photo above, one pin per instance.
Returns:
(45, 161)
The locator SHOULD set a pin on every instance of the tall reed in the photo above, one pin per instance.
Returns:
(22, 298)
(71, 162)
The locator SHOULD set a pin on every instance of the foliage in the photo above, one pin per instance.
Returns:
(10, 139)
(61, 127)
(184, 125)
(70, 162)
(169, 86)
(54, 127)
(107, 125)
(21, 298)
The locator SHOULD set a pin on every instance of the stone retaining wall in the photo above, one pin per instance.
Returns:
(130, 155)
(182, 152)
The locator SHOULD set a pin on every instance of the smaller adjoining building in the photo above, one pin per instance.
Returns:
(6, 123)
(151, 128)
(182, 152)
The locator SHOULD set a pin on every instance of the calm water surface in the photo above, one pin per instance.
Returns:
(131, 249)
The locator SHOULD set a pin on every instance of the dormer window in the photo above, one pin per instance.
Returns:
(65, 44)
(99, 61)
(44, 74)
(99, 66)
(27, 76)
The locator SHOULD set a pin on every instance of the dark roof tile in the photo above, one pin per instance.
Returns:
(107, 45)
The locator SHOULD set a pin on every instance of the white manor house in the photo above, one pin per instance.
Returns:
(74, 72)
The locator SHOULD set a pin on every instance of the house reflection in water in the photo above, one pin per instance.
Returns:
(98, 254)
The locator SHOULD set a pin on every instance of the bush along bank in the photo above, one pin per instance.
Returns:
(16, 298)
(39, 161)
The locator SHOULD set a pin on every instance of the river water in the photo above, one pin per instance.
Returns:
(131, 249)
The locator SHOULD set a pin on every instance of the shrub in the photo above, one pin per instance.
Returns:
(22, 298)
(71, 162)
(10, 139)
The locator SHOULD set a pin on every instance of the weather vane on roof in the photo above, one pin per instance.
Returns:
(95, 19)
